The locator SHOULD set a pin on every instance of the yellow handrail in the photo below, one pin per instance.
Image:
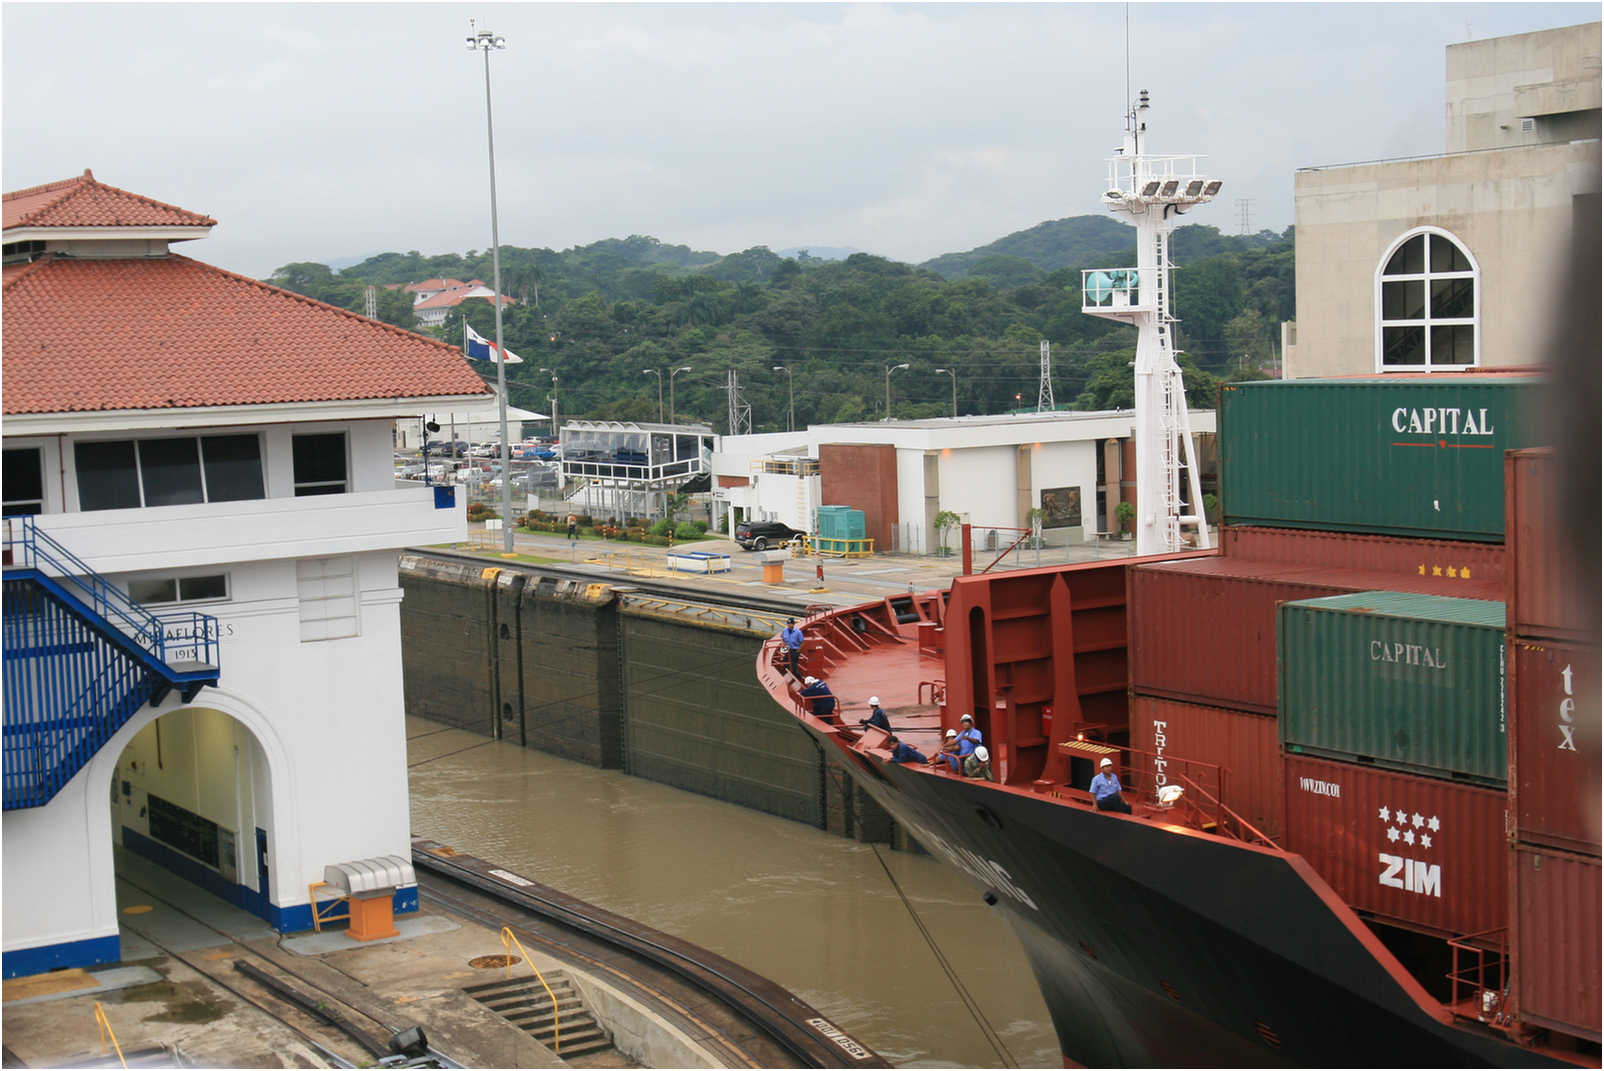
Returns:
(105, 1032)
(333, 906)
(508, 939)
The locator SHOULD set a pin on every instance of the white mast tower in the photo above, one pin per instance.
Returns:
(1150, 190)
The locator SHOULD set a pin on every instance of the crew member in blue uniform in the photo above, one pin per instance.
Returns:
(901, 752)
(823, 700)
(968, 737)
(877, 717)
(791, 636)
(1106, 790)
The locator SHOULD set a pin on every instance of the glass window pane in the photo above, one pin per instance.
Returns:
(319, 459)
(171, 471)
(107, 476)
(147, 591)
(233, 467)
(203, 587)
(1403, 300)
(24, 481)
(1446, 256)
(1451, 298)
(1403, 346)
(1453, 344)
(1410, 259)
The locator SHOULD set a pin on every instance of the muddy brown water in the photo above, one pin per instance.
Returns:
(895, 948)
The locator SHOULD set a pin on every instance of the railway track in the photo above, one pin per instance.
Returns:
(754, 1021)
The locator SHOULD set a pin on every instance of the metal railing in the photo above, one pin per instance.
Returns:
(188, 631)
(1484, 980)
(318, 918)
(508, 940)
(106, 1032)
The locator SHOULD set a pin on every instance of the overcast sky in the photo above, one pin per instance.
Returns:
(324, 132)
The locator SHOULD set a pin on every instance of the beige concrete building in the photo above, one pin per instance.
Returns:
(1432, 263)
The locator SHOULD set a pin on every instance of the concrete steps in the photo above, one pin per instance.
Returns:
(567, 1028)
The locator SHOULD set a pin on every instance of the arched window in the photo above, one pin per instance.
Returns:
(1429, 304)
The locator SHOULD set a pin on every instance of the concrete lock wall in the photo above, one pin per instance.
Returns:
(555, 665)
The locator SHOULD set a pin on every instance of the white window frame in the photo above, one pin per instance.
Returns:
(178, 589)
(200, 454)
(1427, 322)
(344, 483)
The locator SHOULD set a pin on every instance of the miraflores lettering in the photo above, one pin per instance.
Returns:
(978, 867)
(1418, 877)
(1159, 761)
(831, 1031)
(1408, 654)
(1567, 713)
(1447, 420)
(1320, 788)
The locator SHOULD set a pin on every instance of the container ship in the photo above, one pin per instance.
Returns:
(1363, 766)
(1359, 739)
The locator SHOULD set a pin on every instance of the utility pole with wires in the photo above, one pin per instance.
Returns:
(370, 302)
(1244, 215)
(740, 409)
(1044, 393)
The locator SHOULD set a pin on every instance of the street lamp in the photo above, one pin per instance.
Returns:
(889, 370)
(790, 395)
(486, 42)
(671, 376)
(553, 372)
(952, 374)
(659, 375)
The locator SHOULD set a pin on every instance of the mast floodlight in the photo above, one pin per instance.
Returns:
(1212, 188)
(1194, 187)
(1170, 187)
(1151, 188)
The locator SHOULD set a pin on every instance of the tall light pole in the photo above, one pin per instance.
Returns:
(889, 370)
(790, 397)
(486, 42)
(951, 373)
(553, 372)
(671, 376)
(659, 375)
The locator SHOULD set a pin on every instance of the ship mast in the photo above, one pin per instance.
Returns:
(1150, 191)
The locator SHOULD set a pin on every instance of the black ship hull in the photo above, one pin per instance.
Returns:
(1155, 945)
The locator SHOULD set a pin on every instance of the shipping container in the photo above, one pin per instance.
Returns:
(1404, 680)
(1243, 744)
(1555, 755)
(1203, 630)
(1556, 940)
(1469, 563)
(1547, 596)
(1426, 853)
(1413, 457)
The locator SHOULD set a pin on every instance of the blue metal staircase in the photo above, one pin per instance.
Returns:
(80, 659)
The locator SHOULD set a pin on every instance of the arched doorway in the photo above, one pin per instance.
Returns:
(191, 791)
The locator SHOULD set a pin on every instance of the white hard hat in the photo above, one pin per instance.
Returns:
(966, 718)
(952, 733)
(810, 680)
(982, 754)
(874, 700)
(1106, 762)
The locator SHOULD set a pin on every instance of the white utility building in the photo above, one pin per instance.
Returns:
(201, 601)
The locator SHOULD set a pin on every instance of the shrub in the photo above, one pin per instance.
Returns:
(688, 530)
(662, 527)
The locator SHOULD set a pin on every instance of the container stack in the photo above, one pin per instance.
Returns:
(1329, 488)
(1554, 759)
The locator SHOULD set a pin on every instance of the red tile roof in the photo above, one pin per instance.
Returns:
(453, 298)
(84, 202)
(434, 284)
(85, 335)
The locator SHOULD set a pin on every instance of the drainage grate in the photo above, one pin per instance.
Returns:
(524, 1003)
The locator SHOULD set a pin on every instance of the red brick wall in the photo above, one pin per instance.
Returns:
(863, 477)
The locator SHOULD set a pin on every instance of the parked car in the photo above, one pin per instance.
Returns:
(760, 535)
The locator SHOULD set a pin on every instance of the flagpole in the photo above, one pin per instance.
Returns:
(484, 41)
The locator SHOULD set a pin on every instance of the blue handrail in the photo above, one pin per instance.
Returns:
(35, 549)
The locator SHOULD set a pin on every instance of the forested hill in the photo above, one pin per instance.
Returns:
(601, 316)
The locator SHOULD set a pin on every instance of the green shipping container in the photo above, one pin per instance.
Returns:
(1416, 456)
(1414, 682)
(841, 522)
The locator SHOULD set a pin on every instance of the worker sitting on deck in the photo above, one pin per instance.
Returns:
(1106, 790)
(948, 753)
(901, 752)
(823, 701)
(877, 717)
(978, 764)
(791, 637)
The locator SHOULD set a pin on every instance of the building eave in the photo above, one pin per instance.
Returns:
(22, 425)
(104, 234)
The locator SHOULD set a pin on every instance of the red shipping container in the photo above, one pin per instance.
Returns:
(1420, 851)
(1545, 564)
(1243, 743)
(1203, 630)
(1556, 940)
(1473, 563)
(1554, 747)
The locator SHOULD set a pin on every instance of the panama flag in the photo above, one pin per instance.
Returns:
(482, 349)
